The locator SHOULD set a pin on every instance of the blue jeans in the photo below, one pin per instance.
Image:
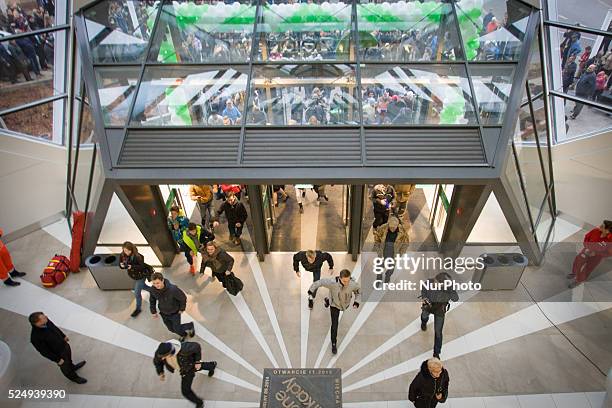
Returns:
(139, 286)
(438, 326)
(235, 231)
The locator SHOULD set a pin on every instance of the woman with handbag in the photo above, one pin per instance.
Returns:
(137, 269)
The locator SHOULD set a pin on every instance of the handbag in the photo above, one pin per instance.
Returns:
(233, 284)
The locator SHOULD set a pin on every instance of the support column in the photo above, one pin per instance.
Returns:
(146, 206)
(466, 205)
(260, 236)
(356, 219)
(518, 222)
(101, 200)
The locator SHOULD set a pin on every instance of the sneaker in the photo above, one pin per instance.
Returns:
(78, 366)
(136, 312)
(10, 282)
(80, 380)
(17, 274)
(310, 303)
(192, 269)
(212, 372)
(423, 326)
(326, 302)
(334, 349)
(436, 355)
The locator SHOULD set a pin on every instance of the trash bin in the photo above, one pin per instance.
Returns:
(501, 271)
(106, 272)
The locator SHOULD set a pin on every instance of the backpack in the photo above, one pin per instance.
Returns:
(56, 271)
(233, 284)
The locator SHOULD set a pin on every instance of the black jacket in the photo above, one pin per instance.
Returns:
(424, 387)
(189, 354)
(49, 341)
(586, 85)
(320, 258)
(139, 270)
(568, 73)
(234, 213)
(219, 262)
(170, 299)
(439, 298)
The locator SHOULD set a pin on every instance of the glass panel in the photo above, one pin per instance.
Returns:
(534, 70)
(492, 86)
(212, 32)
(119, 31)
(492, 30)
(589, 120)
(86, 131)
(305, 31)
(116, 87)
(407, 31)
(191, 96)
(22, 122)
(419, 94)
(21, 16)
(544, 225)
(28, 70)
(515, 184)
(525, 131)
(321, 94)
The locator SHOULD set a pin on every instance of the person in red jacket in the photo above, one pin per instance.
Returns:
(7, 269)
(597, 246)
(600, 85)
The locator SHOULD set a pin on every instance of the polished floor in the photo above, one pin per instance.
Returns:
(506, 352)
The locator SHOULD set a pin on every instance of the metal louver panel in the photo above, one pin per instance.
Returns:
(409, 147)
(304, 147)
(182, 148)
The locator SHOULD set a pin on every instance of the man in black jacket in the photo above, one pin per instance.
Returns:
(52, 343)
(312, 261)
(218, 260)
(186, 358)
(585, 87)
(436, 302)
(236, 216)
(568, 73)
(430, 385)
(171, 302)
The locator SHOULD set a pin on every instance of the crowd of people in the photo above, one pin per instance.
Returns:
(589, 74)
(26, 56)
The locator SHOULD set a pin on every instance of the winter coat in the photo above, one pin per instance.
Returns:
(600, 246)
(320, 258)
(380, 237)
(439, 298)
(586, 85)
(139, 269)
(219, 262)
(234, 212)
(177, 234)
(187, 355)
(170, 300)
(424, 387)
(203, 191)
(339, 295)
(568, 73)
(49, 341)
(202, 237)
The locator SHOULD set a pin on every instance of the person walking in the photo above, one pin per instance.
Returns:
(171, 302)
(7, 268)
(390, 239)
(597, 246)
(430, 386)
(186, 358)
(193, 238)
(320, 190)
(568, 73)
(436, 302)
(137, 269)
(177, 223)
(202, 194)
(276, 190)
(585, 87)
(312, 261)
(218, 260)
(53, 344)
(300, 194)
(236, 215)
(341, 291)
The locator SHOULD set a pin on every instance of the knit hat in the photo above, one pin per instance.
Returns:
(164, 349)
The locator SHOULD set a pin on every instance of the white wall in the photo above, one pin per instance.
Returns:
(32, 181)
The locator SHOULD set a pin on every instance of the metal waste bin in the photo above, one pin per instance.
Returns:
(501, 271)
(106, 272)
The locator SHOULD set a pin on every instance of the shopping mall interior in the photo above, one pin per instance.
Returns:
(479, 128)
